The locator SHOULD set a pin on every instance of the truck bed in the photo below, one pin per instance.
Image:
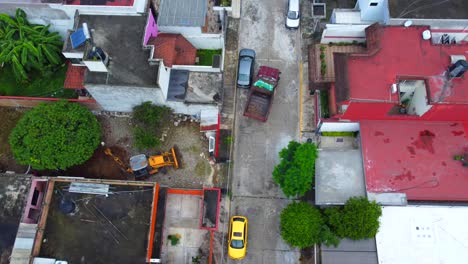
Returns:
(258, 106)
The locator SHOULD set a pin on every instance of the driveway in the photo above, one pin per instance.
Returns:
(255, 195)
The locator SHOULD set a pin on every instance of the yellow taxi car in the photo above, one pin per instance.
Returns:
(237, 240)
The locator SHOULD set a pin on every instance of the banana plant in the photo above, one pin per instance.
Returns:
(27, 47)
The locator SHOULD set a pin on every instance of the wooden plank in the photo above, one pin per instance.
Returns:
(42, 220)
(154, 210)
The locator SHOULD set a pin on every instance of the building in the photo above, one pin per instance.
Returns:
(444, 17)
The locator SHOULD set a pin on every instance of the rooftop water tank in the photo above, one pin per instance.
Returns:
(426, 34)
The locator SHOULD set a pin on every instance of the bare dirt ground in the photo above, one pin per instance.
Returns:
(9, 117)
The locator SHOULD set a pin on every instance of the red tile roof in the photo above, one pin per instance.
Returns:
(173, 49)
(416, 158)
(75, 77)
(398, 51)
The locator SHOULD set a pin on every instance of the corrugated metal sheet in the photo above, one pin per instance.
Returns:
(182, 13)
(91, 188)
(23, 243)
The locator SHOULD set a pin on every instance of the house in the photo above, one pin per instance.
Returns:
(141, 68)
(444, 17)
(399, 105)
(60, 14)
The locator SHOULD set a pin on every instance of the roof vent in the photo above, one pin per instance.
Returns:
(426, 35)
(458, 69)
(408, 23)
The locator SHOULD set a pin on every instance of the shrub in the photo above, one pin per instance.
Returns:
(338, 134)
(55, 136)
(301, 225)
(148, 119)
(174, 239)
(296, 170)
(358, 219)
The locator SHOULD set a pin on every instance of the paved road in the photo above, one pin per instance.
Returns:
(257, 144)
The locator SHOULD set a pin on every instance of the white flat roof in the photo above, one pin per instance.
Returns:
(423, 235)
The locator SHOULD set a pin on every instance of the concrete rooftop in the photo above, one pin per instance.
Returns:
(121, 37)
(338, 176)
(203, 86)
(13, 194)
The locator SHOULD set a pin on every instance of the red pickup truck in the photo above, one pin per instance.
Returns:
(261, 93)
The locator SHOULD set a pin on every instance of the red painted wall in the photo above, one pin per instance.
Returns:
(379, 111)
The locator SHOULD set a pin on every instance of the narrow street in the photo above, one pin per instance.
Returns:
(256, 146)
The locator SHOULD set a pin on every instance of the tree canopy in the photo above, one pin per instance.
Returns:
(301, 225)
(55, 136)
(296, 170)
(28, 47)
(149, 119)
(358, 219)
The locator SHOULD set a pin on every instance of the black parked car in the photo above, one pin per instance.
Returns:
(245, 71)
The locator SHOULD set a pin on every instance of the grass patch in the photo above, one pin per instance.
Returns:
(324, 107)
(48, 85)
(205, 57)
(338, 134)
(202, 168)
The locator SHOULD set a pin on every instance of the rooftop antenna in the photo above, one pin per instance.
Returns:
(408, 23)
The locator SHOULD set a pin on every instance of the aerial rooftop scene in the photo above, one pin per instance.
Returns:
(233, 131)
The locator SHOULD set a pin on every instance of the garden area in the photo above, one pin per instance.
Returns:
(205, 56)
(31, 60)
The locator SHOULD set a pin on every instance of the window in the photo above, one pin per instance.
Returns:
(374, 4)
(35, 197)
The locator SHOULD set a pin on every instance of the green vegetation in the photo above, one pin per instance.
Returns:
(27, 47)
(358, 219)
(48, 85)
(148, 120)
(323, 63)
(303, 225)
(338, 134)
(353, 43)
(225, 2)
(205, 57)
(324, 104)
(296, 170)
(174, 239)
(55, 136)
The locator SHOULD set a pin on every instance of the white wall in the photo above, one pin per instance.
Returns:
(343, 33)
(185, 31)
(95, 66)
(164, 75)
(196, 68)
(206, 41)
(419, 102)
(339, 127)
(373, 13)
(124, 98)
(61, 17)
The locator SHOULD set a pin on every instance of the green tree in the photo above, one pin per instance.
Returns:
(296, 170)
(55, 136)
(28, 47)
(358, 219)
(301, 225)
(148, 119)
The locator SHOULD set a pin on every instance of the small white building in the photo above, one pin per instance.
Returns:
(423, 235)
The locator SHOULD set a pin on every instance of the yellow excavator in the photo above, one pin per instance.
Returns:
(142, 166)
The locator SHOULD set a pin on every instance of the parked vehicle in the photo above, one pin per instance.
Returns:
(261, 94)
(245, 69)
(237, 237)
(293, 14)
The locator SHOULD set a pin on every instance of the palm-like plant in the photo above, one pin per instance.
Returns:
(27, 46)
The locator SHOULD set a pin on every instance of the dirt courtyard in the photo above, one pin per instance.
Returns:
(196, 170)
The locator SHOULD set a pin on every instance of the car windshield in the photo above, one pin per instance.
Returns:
(236, 243)
(292, 15)
(243, 77)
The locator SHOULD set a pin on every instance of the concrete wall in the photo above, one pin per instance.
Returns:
(163, 79)
(95, 66)
(339, 127)
(29, 102)
(124, 98)
(185, 31)
(457, 28)
(196, 68)
(61, 17)
(206, 41)
(343, 33)
(373, 13)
